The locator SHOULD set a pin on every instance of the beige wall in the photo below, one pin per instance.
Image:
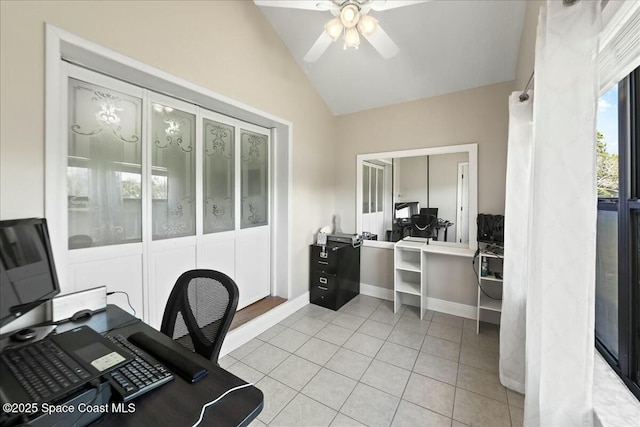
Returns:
(226, 46)
(476, 115)
(411, 180)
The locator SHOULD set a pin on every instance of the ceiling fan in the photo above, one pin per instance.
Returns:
(351, 19)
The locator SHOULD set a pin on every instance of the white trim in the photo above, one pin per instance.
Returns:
(376, 291)
(255, 327)
(613, 403)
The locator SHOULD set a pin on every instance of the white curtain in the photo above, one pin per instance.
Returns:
(562, 219)
(516, 239)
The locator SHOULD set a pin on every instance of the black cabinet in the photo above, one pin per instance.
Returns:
(334, 272)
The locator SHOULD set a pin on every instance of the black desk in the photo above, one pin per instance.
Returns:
(178, 403)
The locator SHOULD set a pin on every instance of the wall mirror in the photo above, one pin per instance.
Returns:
(425, 193)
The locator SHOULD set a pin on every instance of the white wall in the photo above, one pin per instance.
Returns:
(411, 177)
(443, 189)
(226, 46)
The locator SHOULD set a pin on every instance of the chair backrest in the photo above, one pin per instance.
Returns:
(429, 211)
(423, 225)
(199, 311)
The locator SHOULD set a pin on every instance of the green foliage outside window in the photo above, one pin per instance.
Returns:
(607, 177)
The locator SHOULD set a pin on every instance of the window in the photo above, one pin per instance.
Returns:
(373, 200)
(618, 230)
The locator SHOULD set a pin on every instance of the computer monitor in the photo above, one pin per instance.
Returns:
(27, 272)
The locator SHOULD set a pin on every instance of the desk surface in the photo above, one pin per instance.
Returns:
(178, 402)
(434, 247)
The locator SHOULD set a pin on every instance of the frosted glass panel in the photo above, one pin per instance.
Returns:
(365, 189)
(373, 190)
(380, 197)
(104, 184)
(173, 172)
(254, 179)
(218, 172)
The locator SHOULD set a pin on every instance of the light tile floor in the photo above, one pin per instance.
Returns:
(365, 365)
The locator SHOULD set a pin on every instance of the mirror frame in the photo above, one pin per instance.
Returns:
(471, 149)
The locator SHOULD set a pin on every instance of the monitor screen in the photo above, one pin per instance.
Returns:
(27, 272)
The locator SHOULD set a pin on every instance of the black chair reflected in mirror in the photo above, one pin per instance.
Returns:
(429, 211)
(200, 310)
(423, 225)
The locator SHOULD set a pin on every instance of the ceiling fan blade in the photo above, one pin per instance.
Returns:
(318, 5)
(380, 5)
(318, 47)
(381, 41)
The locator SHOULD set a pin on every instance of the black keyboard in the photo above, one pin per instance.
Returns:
(44, 370)
(139, 376)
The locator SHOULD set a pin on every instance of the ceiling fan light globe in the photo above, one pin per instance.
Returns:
(334, 28)
(367, 25)
(349, 15)
(352, 38)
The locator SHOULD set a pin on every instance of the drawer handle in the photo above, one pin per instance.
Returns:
(323, 288)
(323, 262)
(323, 255)
(323, 280)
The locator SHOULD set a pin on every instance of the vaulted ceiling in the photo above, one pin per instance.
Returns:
(445, 46)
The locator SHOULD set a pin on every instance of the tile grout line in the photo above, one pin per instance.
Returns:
(384, 341)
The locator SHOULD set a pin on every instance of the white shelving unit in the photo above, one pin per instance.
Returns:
(490, 283)
(408, 277)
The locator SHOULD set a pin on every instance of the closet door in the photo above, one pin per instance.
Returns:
(104, 178)
(172, 142)
(254, 205)
(217, 242)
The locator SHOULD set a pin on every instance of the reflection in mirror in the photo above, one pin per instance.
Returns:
(419, 196)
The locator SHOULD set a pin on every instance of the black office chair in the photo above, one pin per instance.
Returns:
(199, 311)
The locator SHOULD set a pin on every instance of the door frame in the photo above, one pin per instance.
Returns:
(460, 199)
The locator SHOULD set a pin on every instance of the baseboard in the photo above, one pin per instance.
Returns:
(454, 308)
(255, 327)
(443, 306)
(376, 291)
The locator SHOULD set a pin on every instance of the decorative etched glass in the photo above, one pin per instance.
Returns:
(104, 175)
(365, 189)
(173, 170)
(218, 173)
(254, 168)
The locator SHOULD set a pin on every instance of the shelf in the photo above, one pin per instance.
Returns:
(439, 248)
(490, 255)
(408, 266)
(491, 277)
(408, 288)
(487, 303)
